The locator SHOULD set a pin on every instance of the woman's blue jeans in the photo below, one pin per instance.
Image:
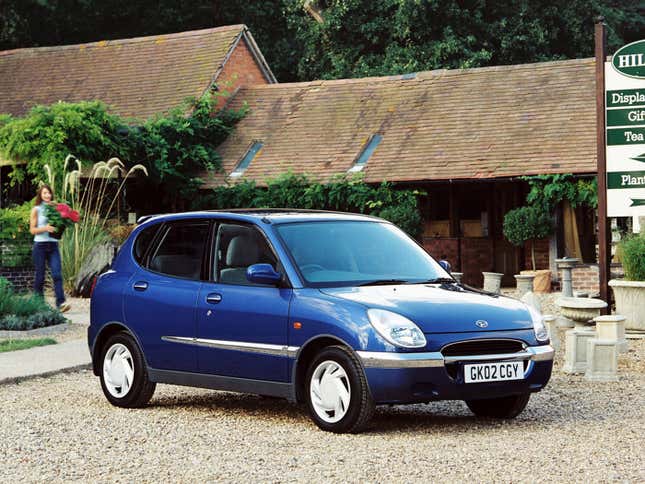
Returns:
(47, 253)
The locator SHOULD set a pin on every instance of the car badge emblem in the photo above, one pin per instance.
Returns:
(481, 323)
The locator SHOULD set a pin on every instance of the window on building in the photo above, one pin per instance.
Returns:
(367, 151)
(247, 158)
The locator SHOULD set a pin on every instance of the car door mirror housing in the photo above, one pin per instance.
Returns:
(263, 274)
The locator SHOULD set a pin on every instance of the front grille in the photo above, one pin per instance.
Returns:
(482, 347)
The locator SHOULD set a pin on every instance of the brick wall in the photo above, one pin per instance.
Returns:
(241, 69)
(21, 278)
(541, 255)
(476, 256)
(586, 277)
(437, 246)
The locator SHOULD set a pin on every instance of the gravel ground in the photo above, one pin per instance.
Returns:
(63, 429)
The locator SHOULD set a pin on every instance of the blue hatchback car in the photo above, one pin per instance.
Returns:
(339, 311)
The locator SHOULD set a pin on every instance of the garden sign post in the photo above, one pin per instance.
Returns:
(620, 94)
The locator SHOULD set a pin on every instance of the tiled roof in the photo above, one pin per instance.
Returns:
(448, 124)
(137, 77)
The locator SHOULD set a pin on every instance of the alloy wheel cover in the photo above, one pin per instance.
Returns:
(330, 391)
(118, 370)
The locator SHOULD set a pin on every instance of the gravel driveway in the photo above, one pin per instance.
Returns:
(63, 429)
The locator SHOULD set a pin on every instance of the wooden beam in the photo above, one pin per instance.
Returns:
(604, 247)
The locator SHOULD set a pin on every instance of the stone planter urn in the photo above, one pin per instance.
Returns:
(493, 282)
(630, 302)
(524, 283)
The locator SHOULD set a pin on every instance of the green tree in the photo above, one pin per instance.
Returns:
(527, 223)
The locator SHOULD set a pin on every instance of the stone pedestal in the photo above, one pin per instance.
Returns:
(602, 360)
(581, 311)
(575, 349)
(566, 265)
(563, 322)
(492, 282)
(457, 275)
(551, 326)
(612, 328)
(524, 283)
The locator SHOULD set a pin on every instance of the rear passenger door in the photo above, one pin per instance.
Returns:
(160, 298)
(241, 326)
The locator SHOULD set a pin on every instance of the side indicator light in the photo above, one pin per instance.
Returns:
(297, 325)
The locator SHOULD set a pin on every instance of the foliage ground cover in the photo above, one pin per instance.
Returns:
(24, 344)
(24, 312)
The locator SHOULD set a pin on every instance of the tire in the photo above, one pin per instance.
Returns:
(123, 373)
(333, 409)
(505, 407)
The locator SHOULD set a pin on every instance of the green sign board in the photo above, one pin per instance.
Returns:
(626, 117)
(626, 98)
(626, 179)
(630, 60)
(625, 136)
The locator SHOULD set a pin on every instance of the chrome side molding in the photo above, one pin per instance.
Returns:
(265, 349)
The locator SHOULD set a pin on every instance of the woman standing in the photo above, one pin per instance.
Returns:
(45, 249)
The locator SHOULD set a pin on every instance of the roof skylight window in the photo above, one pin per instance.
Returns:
(247, 159)
(369, 148)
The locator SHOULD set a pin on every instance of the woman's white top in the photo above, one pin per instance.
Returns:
(42, 221)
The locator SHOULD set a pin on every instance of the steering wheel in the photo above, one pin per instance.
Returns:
(312, 267)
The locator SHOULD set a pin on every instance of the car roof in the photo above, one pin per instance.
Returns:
(265, 215)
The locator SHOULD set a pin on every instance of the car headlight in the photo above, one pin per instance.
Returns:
(396, 329)
(541, 332)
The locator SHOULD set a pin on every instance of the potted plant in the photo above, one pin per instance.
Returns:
(526, 224)
(629, 292)
(60, 216)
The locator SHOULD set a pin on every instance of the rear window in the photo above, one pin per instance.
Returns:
(181, 250)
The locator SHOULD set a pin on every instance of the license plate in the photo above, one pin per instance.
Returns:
(483, 372)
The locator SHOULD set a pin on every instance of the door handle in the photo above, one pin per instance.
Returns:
(140, 286)
(213, 298)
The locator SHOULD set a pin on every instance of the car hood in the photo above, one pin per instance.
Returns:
(445, 308)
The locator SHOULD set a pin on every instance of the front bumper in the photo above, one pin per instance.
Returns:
(422, 377)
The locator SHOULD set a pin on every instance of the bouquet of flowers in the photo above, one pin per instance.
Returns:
(60, 216)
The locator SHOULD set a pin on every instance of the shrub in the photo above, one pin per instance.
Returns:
(633, 257)
(25, 312)
(527, 223)
(343, 193)
(15, 239)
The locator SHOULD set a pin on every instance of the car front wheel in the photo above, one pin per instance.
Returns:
(123, 374)
(505, 407)
(338, 396)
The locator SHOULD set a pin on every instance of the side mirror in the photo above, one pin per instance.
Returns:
(263, 274)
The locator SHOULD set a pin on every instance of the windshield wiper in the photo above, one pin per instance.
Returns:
(384, 282)
(438, 280)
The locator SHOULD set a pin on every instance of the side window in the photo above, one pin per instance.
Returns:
(237, 248)
(181, 250)
(143, 241)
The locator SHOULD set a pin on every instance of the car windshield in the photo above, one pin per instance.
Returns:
(352, 253)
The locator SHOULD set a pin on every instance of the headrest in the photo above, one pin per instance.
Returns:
(242, 251)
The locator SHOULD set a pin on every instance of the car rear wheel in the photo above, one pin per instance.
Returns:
(338, 397)
(504, 407)
(123, 374)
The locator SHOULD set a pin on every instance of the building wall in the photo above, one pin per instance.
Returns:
(21, 278)
(241, 69)
(476, 255)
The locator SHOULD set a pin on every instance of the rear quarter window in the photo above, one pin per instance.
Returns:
(143, 241)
